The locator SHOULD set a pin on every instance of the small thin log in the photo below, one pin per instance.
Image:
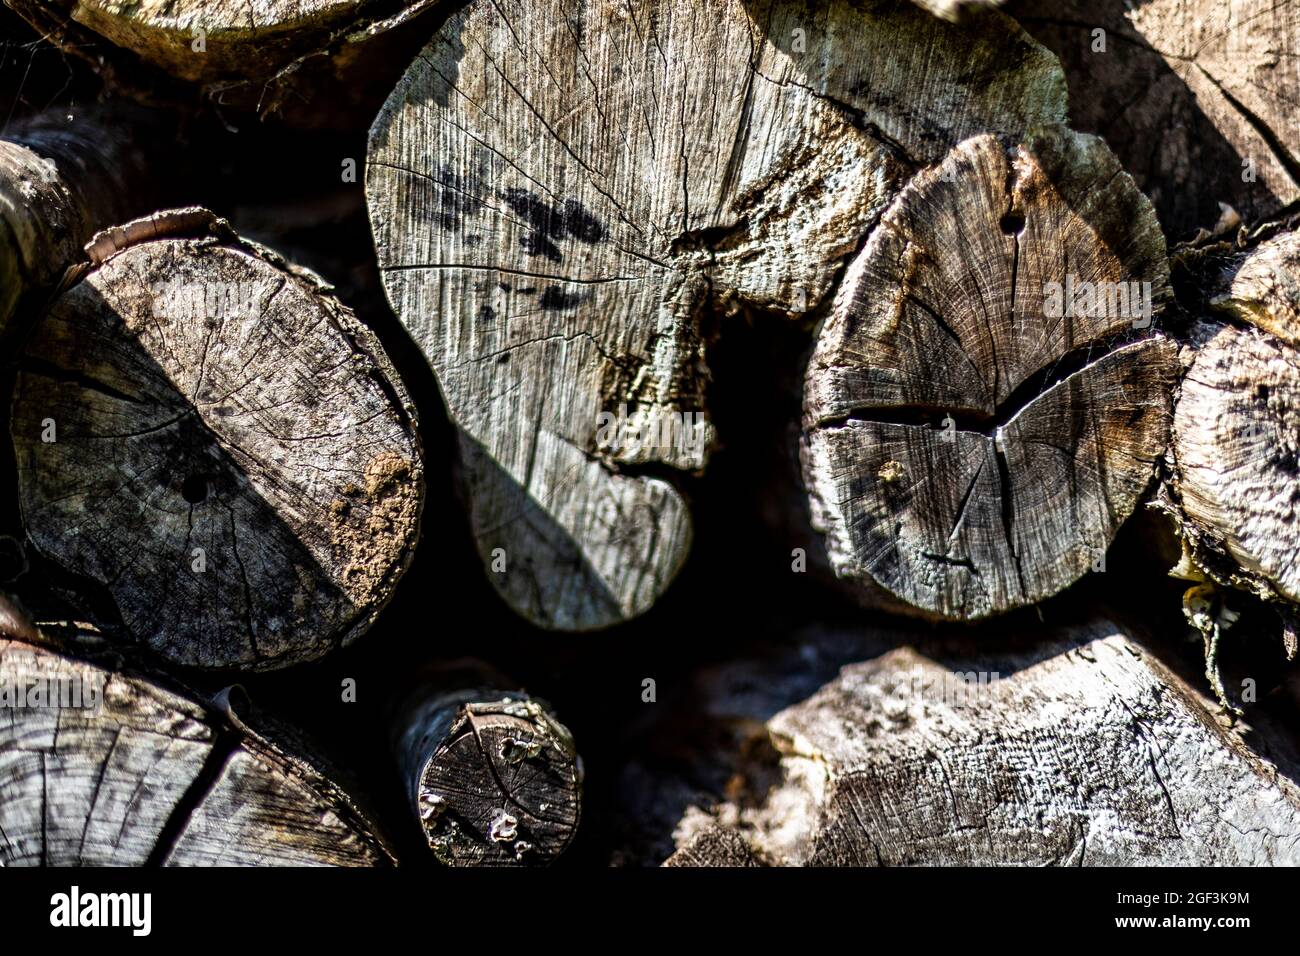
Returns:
(115, 767)
(988, 398)
(493, 777)
(207, 433)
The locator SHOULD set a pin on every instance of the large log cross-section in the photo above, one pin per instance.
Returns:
(564, 195)
(988, 399)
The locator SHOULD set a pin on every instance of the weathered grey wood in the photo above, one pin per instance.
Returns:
(493, 777)
(1236, 447)
(971, 446)
(565, 197)
(153, 775)
(63, 175)
(206, 432)
(1076, 749)
(309, 60)
(1186, 92)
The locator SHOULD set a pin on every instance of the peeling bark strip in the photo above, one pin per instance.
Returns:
(1082, 751)
(209, 434)
(63, 175)
(1236, 446)
(974, 441)
(493, 776)
(562, 193)
(1199, 98)
(153, 777)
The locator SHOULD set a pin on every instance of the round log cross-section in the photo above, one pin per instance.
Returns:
(494, 778)
(103, 765)
(566, 196)
(218, 442)
(987, 400)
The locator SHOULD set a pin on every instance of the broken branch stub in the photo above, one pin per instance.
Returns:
(1236, 450)
(208, 434)
(563, 197)
(987, 399)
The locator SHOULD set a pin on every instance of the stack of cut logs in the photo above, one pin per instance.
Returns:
(1044, 332)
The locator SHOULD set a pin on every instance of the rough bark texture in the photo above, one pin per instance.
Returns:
(64, 175)
(1236, 448)
(492, 775)
(154, 776)
(1078, 750)
(970, 451)
(308, 59)
(565, 196)
(712, 845)
(211, 436)
(1185, 92)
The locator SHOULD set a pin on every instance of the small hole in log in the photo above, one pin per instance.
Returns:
(1012, 223)
(195, 489)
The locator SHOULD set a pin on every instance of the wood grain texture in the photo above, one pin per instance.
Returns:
(244, 39)
(234, 458)
(154, 776)
(1184, 92)
(492, 775)
(64, 175)
(712, 845)
(308, 63)
(971, 447)
(1080, 749)
(565, 195)
(1236, 444)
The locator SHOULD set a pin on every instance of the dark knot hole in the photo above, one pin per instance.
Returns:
(195, 489)
(1012, 223)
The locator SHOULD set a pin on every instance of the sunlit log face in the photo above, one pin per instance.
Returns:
(988, 399)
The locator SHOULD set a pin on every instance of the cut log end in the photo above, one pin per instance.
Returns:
(1075, 748)
(214, 439)
(988, 399)
(107, 767)
(564, 196)
(502, 788)
(1235, 449)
